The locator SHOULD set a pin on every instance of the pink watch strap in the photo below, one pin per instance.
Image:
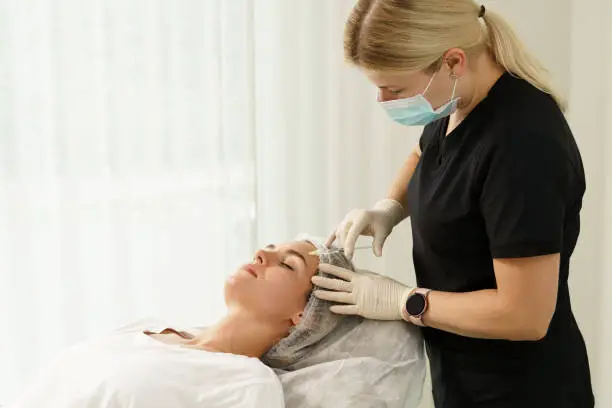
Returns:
(417, 320)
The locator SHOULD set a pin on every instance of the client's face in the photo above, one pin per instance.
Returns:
(276, 284)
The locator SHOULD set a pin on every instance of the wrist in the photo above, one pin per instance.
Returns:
(392, 208)
(402, 305)
(415, 306)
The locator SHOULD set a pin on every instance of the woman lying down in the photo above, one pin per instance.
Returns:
(271, 316)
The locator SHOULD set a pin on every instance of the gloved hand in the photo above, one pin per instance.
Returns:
(377, 222)
(363, 293)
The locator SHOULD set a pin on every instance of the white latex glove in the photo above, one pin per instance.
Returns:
(377, 222)
(362, 293)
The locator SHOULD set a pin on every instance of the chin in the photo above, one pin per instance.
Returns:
(231, 291)
(238, 296)
(233, 280)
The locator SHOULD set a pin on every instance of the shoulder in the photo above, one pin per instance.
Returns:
(242, 368)
(145, 323)
(249, 375)
(515, 105)
(519, 159)
(526, 125)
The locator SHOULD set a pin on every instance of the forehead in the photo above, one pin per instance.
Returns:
(302, 247)
(383, 79)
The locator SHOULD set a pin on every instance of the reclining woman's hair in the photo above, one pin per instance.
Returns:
(317, 321)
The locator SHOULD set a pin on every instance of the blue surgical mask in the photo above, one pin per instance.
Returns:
(416, 110)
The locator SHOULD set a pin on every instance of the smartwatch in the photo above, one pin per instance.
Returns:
(416, 306)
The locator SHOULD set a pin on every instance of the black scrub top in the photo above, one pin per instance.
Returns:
(508, 182)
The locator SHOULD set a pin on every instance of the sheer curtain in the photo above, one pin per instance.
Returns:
(324, 145)
(126, 167)
(147, 147)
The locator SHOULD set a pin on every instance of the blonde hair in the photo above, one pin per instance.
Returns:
(413, 35)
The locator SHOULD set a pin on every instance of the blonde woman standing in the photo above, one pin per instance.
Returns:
(493, 191)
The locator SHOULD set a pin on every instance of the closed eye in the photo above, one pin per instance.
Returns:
(286, 265)
(292, 254)
(396, 91)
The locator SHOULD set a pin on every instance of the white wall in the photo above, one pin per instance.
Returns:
(604, 373)
(590, 109)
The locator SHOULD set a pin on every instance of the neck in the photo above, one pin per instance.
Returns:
(485, 73)
(240, 333)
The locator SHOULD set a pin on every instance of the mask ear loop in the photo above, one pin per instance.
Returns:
(429, 83)
(452, 75)
(456, 78)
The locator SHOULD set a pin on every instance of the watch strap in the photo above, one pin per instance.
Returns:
(418, 319)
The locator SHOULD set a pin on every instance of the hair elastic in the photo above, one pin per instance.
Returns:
(482, 11)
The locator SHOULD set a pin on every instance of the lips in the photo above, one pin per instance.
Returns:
(250, 270)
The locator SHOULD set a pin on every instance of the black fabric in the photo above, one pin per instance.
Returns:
(508, 182)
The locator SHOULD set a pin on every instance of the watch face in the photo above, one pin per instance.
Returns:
(415, 305)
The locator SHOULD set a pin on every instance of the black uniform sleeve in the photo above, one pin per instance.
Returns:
(524, 197)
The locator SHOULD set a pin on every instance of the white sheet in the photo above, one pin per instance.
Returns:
(129, 369)
(363, 364)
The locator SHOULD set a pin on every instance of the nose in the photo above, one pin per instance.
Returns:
(266, 257)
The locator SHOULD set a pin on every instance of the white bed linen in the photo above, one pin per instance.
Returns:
(128, 369)
(362, 364)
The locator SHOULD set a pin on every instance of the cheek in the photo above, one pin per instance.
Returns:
(385, 96)
(442, 92)
(289, 293)
(280, 295)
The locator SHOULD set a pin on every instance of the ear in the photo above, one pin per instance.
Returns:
(455, 60)
(295, 320)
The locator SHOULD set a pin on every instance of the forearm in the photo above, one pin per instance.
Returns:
(399, 187)
(481, 314)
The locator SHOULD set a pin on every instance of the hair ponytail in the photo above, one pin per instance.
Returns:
(413, 35)
(513, 56)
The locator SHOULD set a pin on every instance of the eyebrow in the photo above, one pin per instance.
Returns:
(296, 253)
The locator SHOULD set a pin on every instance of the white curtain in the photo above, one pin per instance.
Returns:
(126, 167)
(148, 147)
(324, 145)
